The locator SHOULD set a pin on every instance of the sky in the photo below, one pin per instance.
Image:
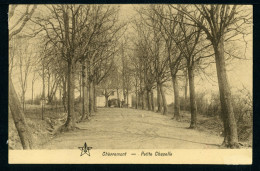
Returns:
(239, 72)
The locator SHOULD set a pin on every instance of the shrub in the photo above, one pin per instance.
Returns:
(184, 104)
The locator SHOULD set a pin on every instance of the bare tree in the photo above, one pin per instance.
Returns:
(169, 30)
(126, 72)
(109, 83)
(220, 23)
(19, 24)
(155, 46)
(19, 119)
(62, 29)
(34, 78)
(14, 104)
(24, 63)
(98, 41)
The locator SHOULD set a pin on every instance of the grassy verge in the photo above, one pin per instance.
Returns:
(39, 127)
(213, 125)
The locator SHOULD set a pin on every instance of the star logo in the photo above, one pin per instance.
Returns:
(85, 149)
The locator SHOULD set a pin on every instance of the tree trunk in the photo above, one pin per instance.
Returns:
(136, 102)
(23, 100)
(80, 87)
(165, 108)
(127, 97)
(176, 98)
(64, 94)
(91, 97)
(143, 101)
(186, 89)
(19, 119)
(95, 98)
(139, 100)
(84, 92)
(71, 120)
(106, 97)
(43, 83)
(87, 87)
(136, 98)
(48, 92)
(152, 100)
(87, 99)
(193, 108)
(159, 99)
(124, 93)
(118, 100)
(148, 99)
(32, 92)
(228, 118)
(60, 96)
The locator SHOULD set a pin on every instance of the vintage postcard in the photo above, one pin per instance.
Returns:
(130, 83)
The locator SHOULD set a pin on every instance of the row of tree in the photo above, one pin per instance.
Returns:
(175, 41)
(71, 40)
(82, 47)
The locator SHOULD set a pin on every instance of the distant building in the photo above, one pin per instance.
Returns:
(101, 100)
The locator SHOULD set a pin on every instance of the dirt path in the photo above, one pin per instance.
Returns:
(120, 128)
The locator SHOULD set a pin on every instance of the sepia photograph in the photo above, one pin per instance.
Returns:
(130, 83)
